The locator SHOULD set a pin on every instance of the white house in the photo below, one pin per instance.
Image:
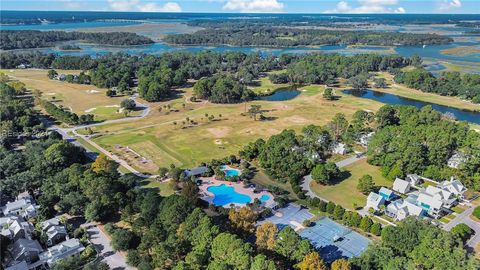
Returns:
(400, 209)
(401, 186)
(375, 201)
(433, 199)
(414, 179)
(339, 148)
(364, 139)
(454, 186)
(61, 251)
(456, 160)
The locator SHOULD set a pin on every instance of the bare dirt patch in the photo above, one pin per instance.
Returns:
(219, 132)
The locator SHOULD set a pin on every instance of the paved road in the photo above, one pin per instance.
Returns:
(102, 244)
(64, 132)
(342, 163)
(465, 218)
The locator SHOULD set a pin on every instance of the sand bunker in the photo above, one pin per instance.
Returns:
(93, 91)
(219, 132)
(90, 110)
(296, 119)
(112, 106)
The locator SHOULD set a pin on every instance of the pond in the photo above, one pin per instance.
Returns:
(461, 115)
(281, 95)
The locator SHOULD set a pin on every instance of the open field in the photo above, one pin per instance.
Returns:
(345, 192)
(165, 188)
(156, 137)
(80, 98)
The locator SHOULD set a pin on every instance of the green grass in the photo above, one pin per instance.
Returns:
(458, 209)
(165, 188)
(345, 192)
(263, 179)
(311, 90)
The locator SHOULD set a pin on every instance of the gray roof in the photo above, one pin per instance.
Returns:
(19, 266)
(196, 171)
(24, 245)
(61, 251)
(401, 185)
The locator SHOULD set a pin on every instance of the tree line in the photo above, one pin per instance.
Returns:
(271, 36)
(448, 83)
(409, 140)
(25, 39)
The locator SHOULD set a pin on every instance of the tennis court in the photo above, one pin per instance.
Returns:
(334, 240)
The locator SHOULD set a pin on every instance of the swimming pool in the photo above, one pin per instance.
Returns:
(229, 172)
(225, 195)
(264, 198)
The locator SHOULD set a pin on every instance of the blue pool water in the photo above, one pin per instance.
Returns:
(225, 195)
(264, 198)
(229, 172)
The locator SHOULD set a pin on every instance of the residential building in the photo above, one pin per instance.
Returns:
(18, 266)
(25, 250)
(364, 139)
(433, 199)
(401, 186)
(55, 231)
(197, 171)
(15, 227)
(386, 193)
(456, 160)
(23, 207)
(375, 201)
(414, 179)
(61, 251)
(339, 148)
(454, 186)
(400, 209)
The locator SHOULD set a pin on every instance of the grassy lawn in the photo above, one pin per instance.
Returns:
(165, 188)
(80, 98)
(157, 138)
(345, 192)
(266, 86)
(459, 209)
(263, 179)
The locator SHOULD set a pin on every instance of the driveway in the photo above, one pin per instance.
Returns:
(465, 218)
(106, 253)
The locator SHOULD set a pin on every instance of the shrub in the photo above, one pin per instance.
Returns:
(476, 212)
(330, 207)
(376, 229)
(462, 231)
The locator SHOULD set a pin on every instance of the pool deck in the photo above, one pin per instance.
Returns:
(239, 187)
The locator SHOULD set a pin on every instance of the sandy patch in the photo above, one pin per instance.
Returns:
(295, 119)
(93, 91)
(218, 142)
(50, 94)
(90, 110)
(219, 132)
(112, 106)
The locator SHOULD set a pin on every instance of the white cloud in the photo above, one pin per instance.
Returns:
(450, 4)
(254, 5)
(137, 5)
(368, 6)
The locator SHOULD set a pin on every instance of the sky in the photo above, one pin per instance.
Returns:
(252, 6)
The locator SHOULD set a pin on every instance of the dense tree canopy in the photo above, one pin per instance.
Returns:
(24, 39)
